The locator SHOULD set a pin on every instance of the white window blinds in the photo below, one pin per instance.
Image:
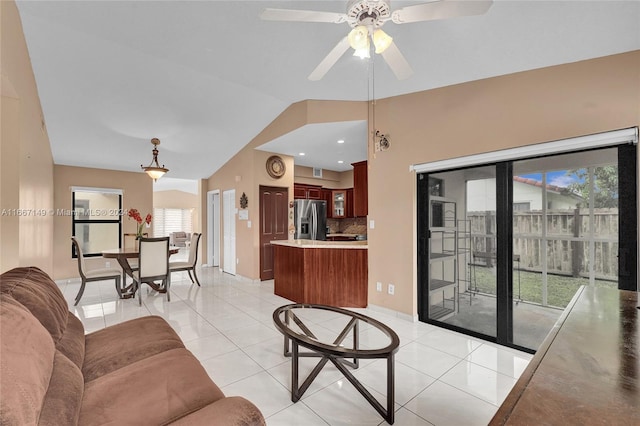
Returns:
(166, 221)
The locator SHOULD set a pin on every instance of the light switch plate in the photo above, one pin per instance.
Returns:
(372, 224)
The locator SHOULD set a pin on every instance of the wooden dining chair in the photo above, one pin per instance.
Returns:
(190, 264)
(153, 265)
(93, 275)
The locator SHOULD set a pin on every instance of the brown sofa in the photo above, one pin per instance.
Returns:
(134, 373)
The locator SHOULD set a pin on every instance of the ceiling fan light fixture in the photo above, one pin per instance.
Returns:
(359, 37)
(362, 53)
(381, 40)
(155, 172)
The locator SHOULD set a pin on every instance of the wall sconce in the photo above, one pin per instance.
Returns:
(381, 141)
(155, 172)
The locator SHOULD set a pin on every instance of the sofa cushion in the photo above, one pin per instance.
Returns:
(64, 396)
(72, 342)
(33, 288)
(119, 345)
(154, 391)
(230, 411)
(26, 363)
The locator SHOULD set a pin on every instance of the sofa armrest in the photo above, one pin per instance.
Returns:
(230, 411)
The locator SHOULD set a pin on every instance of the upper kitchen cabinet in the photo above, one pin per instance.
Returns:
(339, 203)
(350, 202)
(360, 189)
(327, 195)
(308, 192)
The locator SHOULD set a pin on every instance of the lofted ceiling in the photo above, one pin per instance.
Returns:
(205, 77)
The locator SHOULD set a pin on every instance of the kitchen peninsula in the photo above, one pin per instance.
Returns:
(333, 273)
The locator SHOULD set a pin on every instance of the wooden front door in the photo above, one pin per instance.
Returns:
(273, 225)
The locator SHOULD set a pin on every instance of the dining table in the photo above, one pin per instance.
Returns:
(122, 255)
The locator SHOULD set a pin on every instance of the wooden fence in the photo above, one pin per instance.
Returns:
(566, 253)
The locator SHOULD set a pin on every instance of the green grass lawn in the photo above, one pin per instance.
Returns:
(560, 289)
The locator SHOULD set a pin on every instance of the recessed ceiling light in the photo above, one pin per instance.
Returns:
(301, 154)
(341, 141)
(340, 161)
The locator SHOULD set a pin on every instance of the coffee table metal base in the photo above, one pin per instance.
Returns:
(292, 350)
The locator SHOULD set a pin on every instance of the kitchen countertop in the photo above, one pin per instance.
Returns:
(322, 244)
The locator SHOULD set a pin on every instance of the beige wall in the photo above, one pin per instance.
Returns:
(26, 162)
(482, 116)
(175, 199)
(246, 171)
(137, 193)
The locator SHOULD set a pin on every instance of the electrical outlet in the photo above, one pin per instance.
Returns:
(107, 264)
(379, 286)
(391, 289)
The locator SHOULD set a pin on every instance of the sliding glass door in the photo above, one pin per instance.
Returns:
(503, 248)
(565, 234)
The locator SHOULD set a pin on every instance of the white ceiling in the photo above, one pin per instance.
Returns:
(320, 146)
(205, 77)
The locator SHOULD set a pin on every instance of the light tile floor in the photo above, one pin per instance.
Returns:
(442, 377)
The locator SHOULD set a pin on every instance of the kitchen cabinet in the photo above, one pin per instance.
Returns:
(349, 211)
(360, 189)
(308, 192)
(327, 195)
(338, 203)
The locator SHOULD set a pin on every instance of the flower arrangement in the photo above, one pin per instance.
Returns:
(135, 215)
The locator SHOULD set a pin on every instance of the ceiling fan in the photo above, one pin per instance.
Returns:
(366, 17)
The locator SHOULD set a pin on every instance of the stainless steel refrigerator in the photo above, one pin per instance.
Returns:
(310, 218)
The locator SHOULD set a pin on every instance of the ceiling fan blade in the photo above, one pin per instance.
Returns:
(330, 60)
(441, 9)
(302, 16)
(396, 61)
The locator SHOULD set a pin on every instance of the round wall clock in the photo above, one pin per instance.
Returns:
(275, 167)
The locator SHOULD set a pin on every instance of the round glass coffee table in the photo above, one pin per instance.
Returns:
(299, 323)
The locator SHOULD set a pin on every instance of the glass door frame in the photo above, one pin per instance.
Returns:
(627, 260)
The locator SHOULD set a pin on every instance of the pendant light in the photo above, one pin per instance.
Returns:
(155, 172)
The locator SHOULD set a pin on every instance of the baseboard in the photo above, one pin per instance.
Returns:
(391, 312)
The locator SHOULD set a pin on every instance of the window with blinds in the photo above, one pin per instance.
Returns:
(166, 221)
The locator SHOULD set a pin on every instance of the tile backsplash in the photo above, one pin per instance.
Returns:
(357, 225)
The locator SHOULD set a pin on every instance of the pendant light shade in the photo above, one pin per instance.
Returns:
(154, 170)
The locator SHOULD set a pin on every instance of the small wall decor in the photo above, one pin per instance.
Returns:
(382, 144)
(244, 201)
(275, 167)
